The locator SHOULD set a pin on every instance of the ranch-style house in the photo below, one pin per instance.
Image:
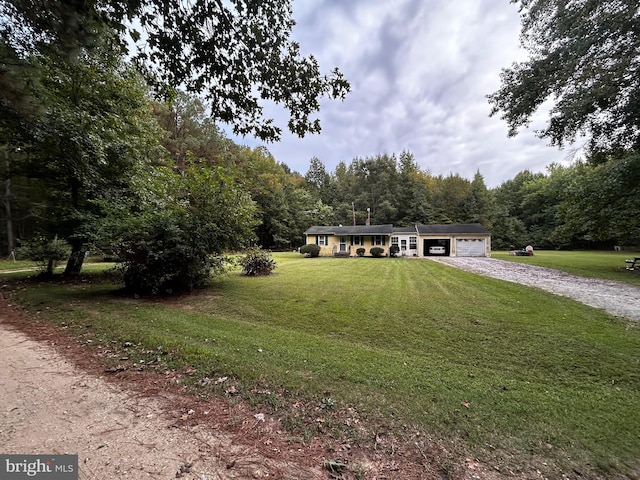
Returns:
(454, 240)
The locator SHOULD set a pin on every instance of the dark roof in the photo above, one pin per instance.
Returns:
(387, 229)
(351, 230)
(471, 228)
(404, 229)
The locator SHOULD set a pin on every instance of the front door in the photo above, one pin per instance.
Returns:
(343, 243)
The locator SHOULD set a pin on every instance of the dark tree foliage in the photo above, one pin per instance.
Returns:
(389, 189)
(237, 53)
(601, 202)
(74, 139)
(585, 56)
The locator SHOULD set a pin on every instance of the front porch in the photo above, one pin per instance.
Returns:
(342, 249)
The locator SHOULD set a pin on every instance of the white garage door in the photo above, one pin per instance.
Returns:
(470, 247)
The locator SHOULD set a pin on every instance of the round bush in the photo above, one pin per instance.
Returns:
(360, 252)
(310, 250)
(377, 252)
(257, 262)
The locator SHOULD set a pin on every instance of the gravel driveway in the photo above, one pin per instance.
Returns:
(617, 298)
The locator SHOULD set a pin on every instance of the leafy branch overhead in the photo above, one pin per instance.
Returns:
(237, 53)
(584, 56)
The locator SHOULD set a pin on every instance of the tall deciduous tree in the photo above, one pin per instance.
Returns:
(95, 126)
(450, 196)
(318, 180)
(600, 203)
(237, 53)
(189, 132)
(585, 58)
(412, 194)
(479, 204)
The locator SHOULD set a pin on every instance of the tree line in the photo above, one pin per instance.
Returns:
(99, 149)
(593, 203)
(152, 147)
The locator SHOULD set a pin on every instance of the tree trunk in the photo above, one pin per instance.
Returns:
(9, 220)
(7, 203)
(76, 259)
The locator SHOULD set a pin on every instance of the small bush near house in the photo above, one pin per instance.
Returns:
(377, 252)
(360, 252)
(310, 250)
(393, 250)
(257, 262)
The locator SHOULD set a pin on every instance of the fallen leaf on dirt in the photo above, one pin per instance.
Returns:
(116, 369)
(334, 466)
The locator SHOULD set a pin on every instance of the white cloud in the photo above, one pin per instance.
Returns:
(420, 71)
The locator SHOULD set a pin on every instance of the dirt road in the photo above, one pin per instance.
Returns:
(49, 406)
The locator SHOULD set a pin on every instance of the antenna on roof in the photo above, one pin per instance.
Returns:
(368, 216)
(353, 210)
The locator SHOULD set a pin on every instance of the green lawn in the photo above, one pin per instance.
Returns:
(595, 264)
(409, 345)
(28, 266)
(16, 264)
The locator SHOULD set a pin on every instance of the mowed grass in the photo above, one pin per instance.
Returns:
(27, 267)
(409, 345)
(593, 264)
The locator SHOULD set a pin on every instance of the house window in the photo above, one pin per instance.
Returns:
(356, 240)
(322, 240)
(377, 240)
(413, 243)
(394, 240)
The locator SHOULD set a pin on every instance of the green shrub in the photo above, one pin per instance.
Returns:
(377, 252)
(360, 252)
(174, 242)
(161, 256)
(47, 254)
(167, 254)
(257, 262)
(310, 250)
(393, 250)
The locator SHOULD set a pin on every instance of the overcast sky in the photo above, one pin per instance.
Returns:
(420, 71)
